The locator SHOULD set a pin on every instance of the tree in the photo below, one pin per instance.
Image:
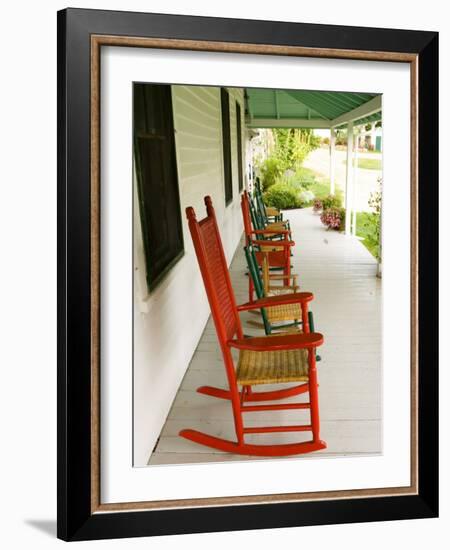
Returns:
(292, 145)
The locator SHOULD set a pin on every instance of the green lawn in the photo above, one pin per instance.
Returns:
(367, 164)
(321, 189)
(313, 181)
(318, 184)
(362, 231)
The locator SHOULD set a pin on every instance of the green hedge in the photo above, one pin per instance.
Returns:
(283, 196)
(331, 201)
(270, 171)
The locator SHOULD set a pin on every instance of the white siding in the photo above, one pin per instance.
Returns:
(168, 323)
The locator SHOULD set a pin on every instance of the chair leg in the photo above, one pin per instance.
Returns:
(314, 395)
(238, 401)
(250, 288)
(235, 398)
(305, 318)
(287, 270)
(239, 446)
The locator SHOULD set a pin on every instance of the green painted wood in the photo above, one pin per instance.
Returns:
(305, 104)
(378, 143)
(375, 117)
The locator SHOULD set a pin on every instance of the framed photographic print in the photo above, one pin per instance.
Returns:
(247, 274)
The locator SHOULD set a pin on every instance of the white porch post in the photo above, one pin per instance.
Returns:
(348, 180)
(355, 186)
(332, 146)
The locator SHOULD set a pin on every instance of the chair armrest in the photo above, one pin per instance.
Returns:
(279, 277)
(294, 288)
(270, 232)
(282, 342)
(274, 244)
(282, 299)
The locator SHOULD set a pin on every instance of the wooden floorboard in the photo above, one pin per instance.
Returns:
(347, 310)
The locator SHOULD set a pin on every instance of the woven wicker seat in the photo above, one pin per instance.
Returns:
(285, 312)
(276, 226)
(271, 367)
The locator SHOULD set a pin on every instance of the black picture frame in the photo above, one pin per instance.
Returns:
(76, 521)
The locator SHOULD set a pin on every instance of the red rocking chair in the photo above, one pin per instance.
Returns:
(270, 359)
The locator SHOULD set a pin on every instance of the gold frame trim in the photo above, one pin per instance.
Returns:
(97, 41)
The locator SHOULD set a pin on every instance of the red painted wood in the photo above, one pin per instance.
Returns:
(275, 244)
(271, 429)
(313, 395)
(275, 407)
(277, 258)
(252, 450)
(271, 232)
(279, 342)
(212, 262)
(252, 396)
(279, 299)
(246, 215)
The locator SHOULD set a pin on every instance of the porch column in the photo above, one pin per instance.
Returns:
(332, 146)
(348, 180)
(355, 186)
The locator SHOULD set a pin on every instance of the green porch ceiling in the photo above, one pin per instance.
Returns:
(306, 108)
(375, 117)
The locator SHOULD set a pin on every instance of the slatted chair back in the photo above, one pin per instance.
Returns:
(250, 217)
(255, 274)
(216, 277)
(260, 204)
(246, 215)
(266, 275)
(257, 220)
(258, 186)
(254, 270)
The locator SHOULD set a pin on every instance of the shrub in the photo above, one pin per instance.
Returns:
(375, 200)
(331, 201)
(282, 195)
(371, 224)
(317, 205)
(291, 147)
(333, 218)
(271, 170)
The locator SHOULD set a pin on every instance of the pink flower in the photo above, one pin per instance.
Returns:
(333, 218)
(317, 205)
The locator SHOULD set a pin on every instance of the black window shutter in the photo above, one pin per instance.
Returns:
(157, 179)
(228, 182)
(239, 146)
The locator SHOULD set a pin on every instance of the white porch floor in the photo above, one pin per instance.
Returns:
(347, 311)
